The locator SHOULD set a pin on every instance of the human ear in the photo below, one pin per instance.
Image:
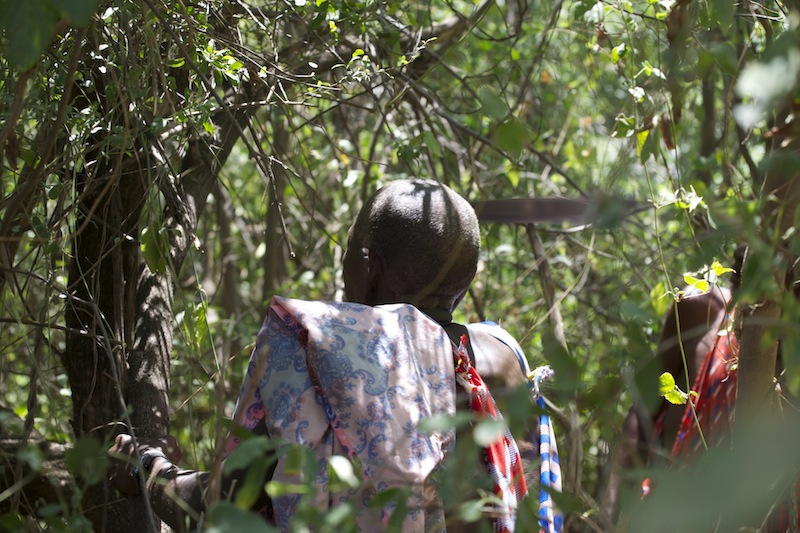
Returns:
(375, 290)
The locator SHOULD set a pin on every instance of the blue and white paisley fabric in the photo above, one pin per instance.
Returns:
(353, 380)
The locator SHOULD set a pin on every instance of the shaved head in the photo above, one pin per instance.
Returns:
(421, 240)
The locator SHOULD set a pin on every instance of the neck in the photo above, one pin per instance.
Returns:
(442, 316)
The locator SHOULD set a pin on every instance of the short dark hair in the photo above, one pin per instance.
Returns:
(427, 238)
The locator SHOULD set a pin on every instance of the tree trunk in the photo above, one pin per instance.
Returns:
(760, 336)
(758, 351)
(103, 268)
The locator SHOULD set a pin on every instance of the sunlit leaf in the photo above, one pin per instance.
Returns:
(470, 511)
(676, 397)
(700, 284)
(666, 383)
(276, 488)
(719, 270)
(658, 299)
(670, 391)
(343, 468)
(618, 53)
(641, 137)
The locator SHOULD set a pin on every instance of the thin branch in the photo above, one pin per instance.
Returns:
(22, 202)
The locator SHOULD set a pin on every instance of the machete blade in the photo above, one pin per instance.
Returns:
(556, 210)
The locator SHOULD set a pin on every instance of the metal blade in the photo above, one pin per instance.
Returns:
(554, 210)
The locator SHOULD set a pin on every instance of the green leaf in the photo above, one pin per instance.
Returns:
(618, 53)
(511, 136)
(247, 452)
(432, 143)
(719, 270)
(295, 460)
(33, 456)
(39, 227)
(79, 12)
(253, 485)
(666, 383)
(670, 391)
(386, 497)
(87, 460)
(29, 27)
(178, 62)
(55, 191)
(721, 13)
(398, 515)
(198, 325)
(226, 517)
(633, 310)
(276, 488)
(488, 431)
(339, 514)
(700, 284)
(440, 423)
(470, 511)
(154, 245)
(641, 138)
(492, 104)
(650, 145)
(322, 12)
(677, 397)
(658, 300)
(15, 522)
(343, 469)
(624, 126)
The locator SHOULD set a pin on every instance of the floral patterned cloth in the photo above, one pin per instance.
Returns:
(354, 380)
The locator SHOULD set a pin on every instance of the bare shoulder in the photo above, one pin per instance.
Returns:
(495, 360)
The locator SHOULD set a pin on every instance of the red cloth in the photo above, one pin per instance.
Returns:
(715, 409)
(714, 405)
(502, 456)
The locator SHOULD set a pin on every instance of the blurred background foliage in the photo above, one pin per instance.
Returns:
(608, 100)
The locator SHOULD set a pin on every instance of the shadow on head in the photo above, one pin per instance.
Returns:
(414, 241)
